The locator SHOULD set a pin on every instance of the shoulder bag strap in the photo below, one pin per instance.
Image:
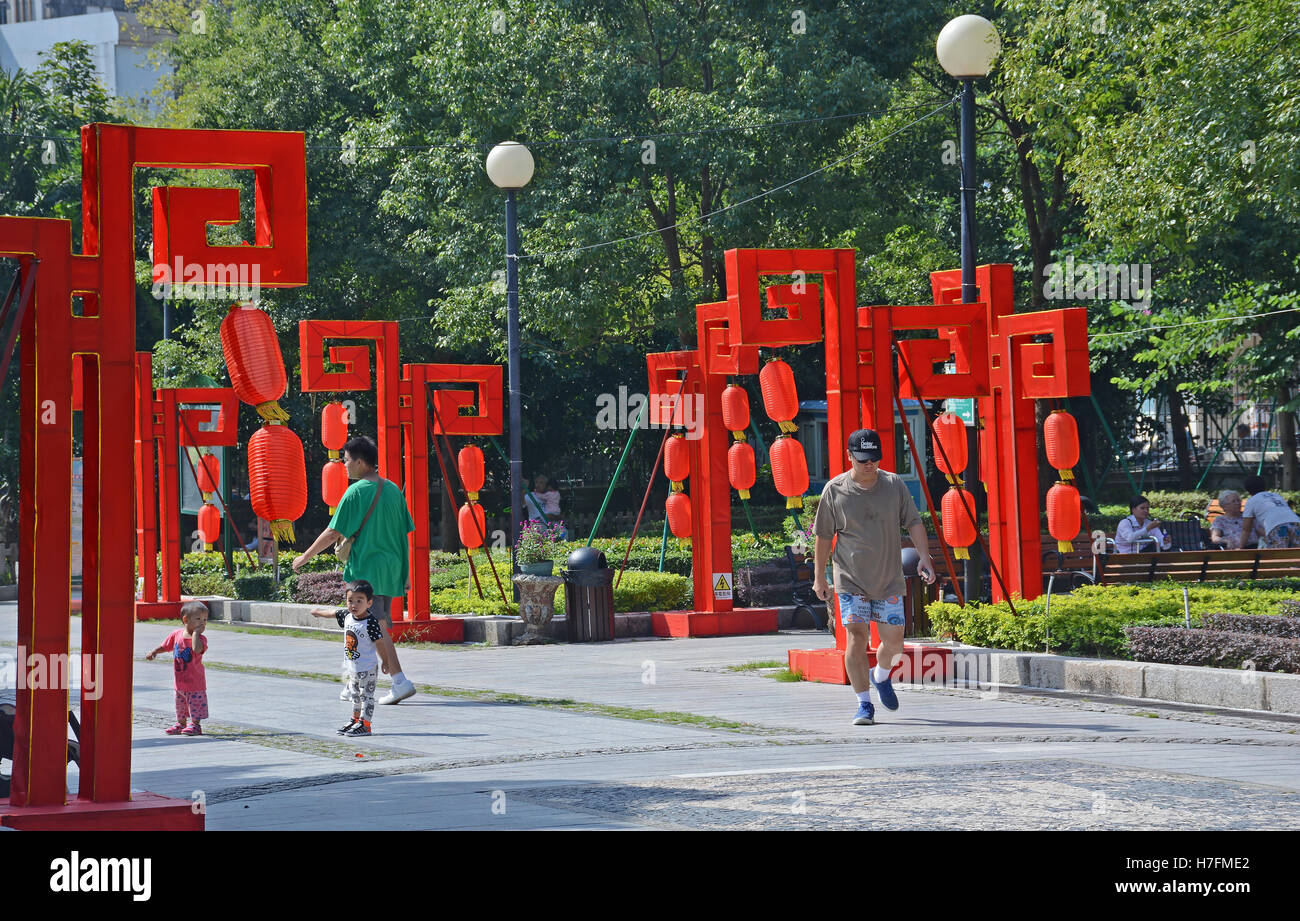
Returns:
(379, 487)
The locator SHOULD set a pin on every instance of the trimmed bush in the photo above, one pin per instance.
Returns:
(652, 591)
(1291, 608)
(1253, 623)
(255, 588)
(207, 583)
(324, 588)
(1215, 648)
(453, 601)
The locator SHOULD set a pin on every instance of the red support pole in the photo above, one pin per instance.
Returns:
(146, 494)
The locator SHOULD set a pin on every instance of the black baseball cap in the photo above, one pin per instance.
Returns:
(864, 445)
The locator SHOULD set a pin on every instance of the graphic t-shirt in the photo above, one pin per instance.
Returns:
(866, 524)
(359, 638)
(380, 554)
(187, 662)
(1269, 510)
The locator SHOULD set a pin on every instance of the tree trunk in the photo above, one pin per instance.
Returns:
(1179, 424)
(1286, 435)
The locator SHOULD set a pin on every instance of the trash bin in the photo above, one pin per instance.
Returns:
(916, 596)
(588, 596)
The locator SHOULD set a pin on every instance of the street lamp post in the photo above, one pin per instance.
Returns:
(966, 48)
(510, 167)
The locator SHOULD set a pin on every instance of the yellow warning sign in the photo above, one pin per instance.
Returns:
(722, 585)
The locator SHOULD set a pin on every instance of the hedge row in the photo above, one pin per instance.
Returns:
(1215, 648)
(1288, 627)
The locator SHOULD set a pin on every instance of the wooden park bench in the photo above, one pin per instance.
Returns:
(1198, 566)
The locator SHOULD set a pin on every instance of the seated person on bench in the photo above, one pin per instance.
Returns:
(1281, 526)
(1139, 532)
(1225, 531)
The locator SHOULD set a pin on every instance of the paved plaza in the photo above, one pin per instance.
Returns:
(660, 734)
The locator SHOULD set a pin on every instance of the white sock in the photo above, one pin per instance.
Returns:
(880, 673)
(398, 678)
(864, 697)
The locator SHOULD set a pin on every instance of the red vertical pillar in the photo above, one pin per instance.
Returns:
(417, 488)
(388, 434)
(710, 493)
(146, 496)
(169, 497)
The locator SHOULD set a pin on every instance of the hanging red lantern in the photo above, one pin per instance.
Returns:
(469, 461)
(334, 427)
(472, 525)
(950, 441)
(740, 468)
(277, 478)
(677, 459)
(679, 514)
(958, 519)
(735, 410)
(333, 483)
(1061, 442)
(207, 474)
(253, 359)
(789, 470)
(780, 399)
(1064, 515)
(209, 524)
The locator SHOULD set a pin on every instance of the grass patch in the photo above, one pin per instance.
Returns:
(756, 666)
(299, 632)
(565, 704)
(785, 675)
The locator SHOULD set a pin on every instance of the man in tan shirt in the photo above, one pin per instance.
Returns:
(862, 511)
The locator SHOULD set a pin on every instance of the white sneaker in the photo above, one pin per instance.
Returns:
(399, 692)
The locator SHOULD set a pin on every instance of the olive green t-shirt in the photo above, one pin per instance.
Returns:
(867, 526)
(380, 555)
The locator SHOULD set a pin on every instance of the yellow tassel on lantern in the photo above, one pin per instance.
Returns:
(334, 455)
(1064, 546)
(207, 546)
(270, 411)
(282, 529)
(961, 553)
(677, 485)
(788, 426)
(794, 502)
(744, 493)
(332, 508)
(739, 436)
(471, 496)
(1066, 474)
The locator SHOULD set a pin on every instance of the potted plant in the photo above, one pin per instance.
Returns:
(535, 549)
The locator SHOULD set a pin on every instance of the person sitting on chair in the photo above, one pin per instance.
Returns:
(1225, 532)
(1139, 532)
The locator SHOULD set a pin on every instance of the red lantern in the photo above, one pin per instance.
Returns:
(209, 524)
(277, 478)
(677, 459)
(1064, 515)
(679, 514)
(469, 461)
(253, 359)
(334, 427)
(735, 410)
(740, 468)
(472, 525)
(780, 399)
(1061, 441)
(789, 470)
(333, 483)
(958, 519)
(950, 436)
(207, 474)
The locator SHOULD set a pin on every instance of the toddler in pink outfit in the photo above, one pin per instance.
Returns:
(187, 646)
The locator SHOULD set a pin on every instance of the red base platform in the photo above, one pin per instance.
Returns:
(435, 629)
(159, 610)
(739, 622)
(145, 812)
(921, 663)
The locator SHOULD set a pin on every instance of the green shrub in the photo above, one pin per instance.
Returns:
(255, 588)
(207, 583)
(453, 601)
(652, 591)
(1091, 620)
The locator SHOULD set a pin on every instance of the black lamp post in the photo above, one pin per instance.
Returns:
(510, 167)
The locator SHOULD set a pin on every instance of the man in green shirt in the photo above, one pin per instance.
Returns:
(380, 553)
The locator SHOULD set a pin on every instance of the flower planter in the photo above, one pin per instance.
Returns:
(544, 568)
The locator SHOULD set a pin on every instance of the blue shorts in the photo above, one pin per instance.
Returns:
(858, 609)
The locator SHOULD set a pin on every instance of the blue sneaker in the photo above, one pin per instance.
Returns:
(888, 699)
(866, 714)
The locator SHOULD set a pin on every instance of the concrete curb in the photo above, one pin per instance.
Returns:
(8, 593)
(1235, 689)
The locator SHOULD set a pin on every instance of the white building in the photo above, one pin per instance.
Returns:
(119, 45)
